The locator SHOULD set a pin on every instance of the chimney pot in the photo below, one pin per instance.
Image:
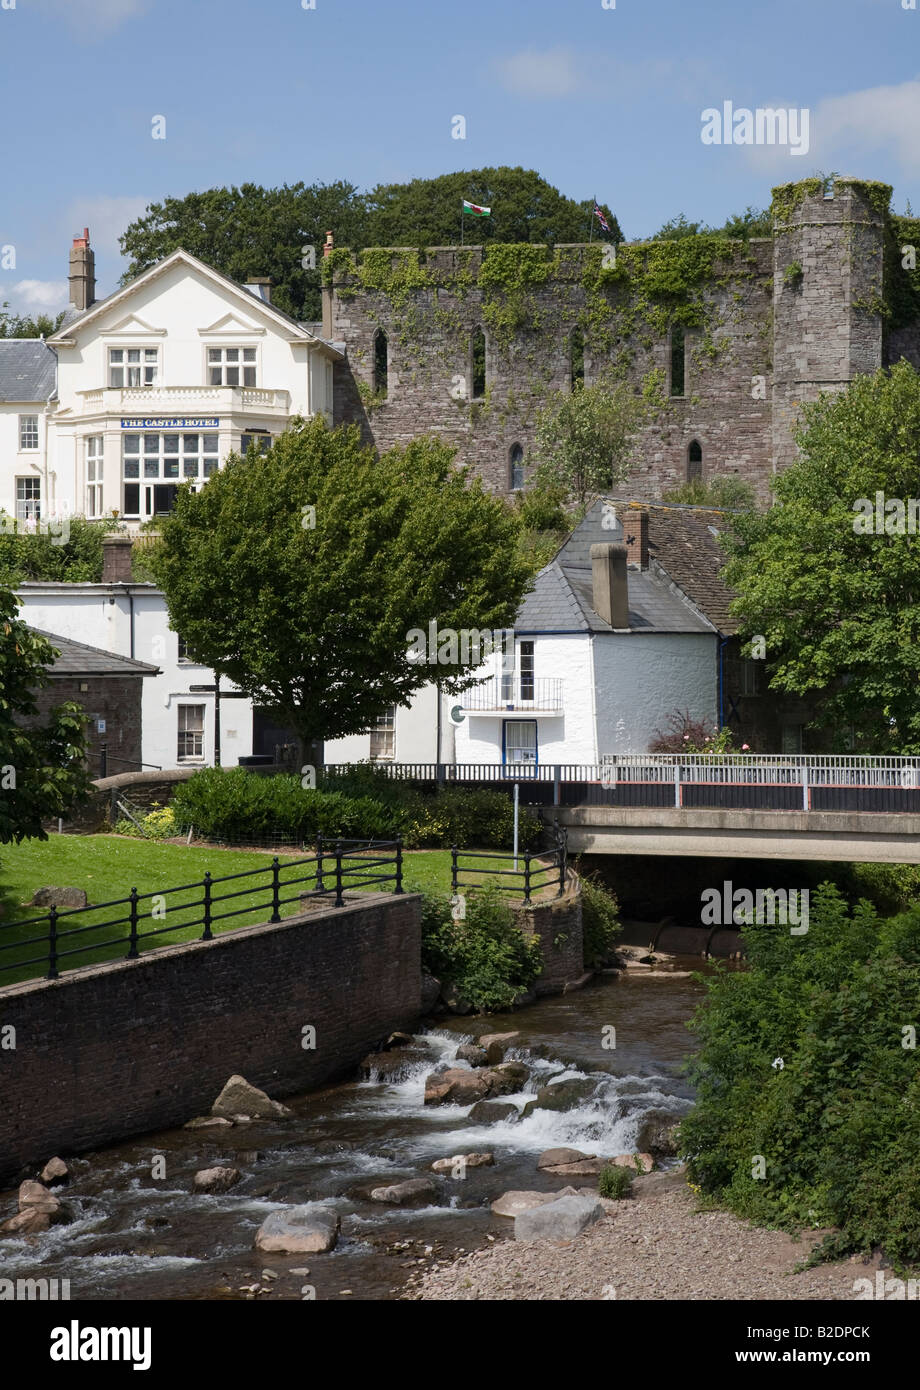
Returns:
(609, 585)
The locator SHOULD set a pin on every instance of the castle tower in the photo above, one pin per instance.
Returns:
(828, 247)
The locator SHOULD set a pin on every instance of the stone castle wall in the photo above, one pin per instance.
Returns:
(760, 338)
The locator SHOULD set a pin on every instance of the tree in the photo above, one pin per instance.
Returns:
(722, 490)
(314, 621)
(23, 326)
(832, 586)
(252, 230)
(753, 222)
(583, 437)
(525, 208)
(42, 772)
(70, 553)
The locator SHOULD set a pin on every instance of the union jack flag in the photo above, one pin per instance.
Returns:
(600, 217)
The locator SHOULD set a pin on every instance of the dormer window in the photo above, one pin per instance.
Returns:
(133, 367)
(232, 366)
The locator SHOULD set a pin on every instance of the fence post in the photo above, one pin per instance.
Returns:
(339, 900)
(399, 865)
(52, 944)
(453, 870)
(320, 886)
(677, 785)
(276, 891)
(557, 785)
(103, 759)
(207, 934)
(805, 805)
(132, 930)
(527, 876)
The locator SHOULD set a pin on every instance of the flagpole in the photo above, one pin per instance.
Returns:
(461, 221)
(593, 206)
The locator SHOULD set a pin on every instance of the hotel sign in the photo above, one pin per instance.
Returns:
(173, 422)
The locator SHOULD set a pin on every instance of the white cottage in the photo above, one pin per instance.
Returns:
(607, 648)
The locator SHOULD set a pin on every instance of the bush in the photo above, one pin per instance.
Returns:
(837, 1124)
(485, 957)
(615, 1182)
(232, 803)
(158, 824)
(600, 920)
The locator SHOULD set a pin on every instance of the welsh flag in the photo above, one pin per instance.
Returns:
(475, 210)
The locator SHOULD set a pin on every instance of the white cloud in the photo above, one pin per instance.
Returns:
(94, 18)
(106, 216)
(39, 294)
(556, 72)
(879, 118)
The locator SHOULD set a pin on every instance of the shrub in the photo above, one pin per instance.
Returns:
(158, 824)
(837, 1124)
(614, 1181)
(600, 920)
(485, 957)
(232, 803)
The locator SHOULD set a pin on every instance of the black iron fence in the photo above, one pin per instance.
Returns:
(531, 871)
(64, 933)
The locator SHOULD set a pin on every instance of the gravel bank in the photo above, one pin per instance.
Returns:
(656, 1245)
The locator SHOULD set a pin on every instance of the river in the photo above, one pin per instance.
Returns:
(136, 1236)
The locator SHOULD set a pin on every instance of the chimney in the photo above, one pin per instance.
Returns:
(261, 287)
(635, 535)
(328, 248)
(116, 559)
(609, 592)
(82, 272)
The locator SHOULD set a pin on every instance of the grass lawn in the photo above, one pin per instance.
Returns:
(107, 867)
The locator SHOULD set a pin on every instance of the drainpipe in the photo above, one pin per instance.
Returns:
(131, 610)
(722, 645)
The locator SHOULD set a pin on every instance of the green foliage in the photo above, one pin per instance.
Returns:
(24, 326)
(313, 622)
(753, 222)
(793, 274)
(600, 920)
(72, 555)
(42, 773)
(838, 1122)
(235, 804)
(583, 438)
(615, 1181)
(158, 824)
(840, 610)
(723, 490)
(485, 957)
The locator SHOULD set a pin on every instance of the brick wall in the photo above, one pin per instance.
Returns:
(116, 699)
(549, 921)
(119, 1049)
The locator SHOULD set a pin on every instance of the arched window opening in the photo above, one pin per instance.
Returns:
(694, 461)
(381, 363)
(479, 364)
(678, 361)
(516, 468)
(577, 359)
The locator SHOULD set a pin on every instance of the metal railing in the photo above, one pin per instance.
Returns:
(768, 781)
(335, 867)
(539, 869)
(502, 693)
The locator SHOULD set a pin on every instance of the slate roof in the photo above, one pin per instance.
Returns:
(28, 369)
(681, 591)
(77, 659)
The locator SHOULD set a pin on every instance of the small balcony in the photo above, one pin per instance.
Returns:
(514, 695)
(185, 401)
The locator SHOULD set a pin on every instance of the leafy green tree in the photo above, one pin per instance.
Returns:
(839, 605)
(309, 612)
(42, 772)
(753, 222)
(583, 438)
(252, 230)
(71, 553)
(721, 490)
(677, 227)
(525, 208)
(24, 326)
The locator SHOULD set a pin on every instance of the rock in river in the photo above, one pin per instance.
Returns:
(239, 1099)
(460, 1162)
(216, 1179)
(563, 1219)
(401, 1193)
(309, 1229)
(513, 1203)
(489, 1112)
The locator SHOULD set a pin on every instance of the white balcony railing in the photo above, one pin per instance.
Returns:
(504, 694)
(140, 400)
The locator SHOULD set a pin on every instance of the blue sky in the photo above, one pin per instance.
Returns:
(600, 101)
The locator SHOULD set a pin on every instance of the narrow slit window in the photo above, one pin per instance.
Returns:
(479, 364)
(577, 359)
(516, 467)
(381, 363)
(694, 461)
(678, 361)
